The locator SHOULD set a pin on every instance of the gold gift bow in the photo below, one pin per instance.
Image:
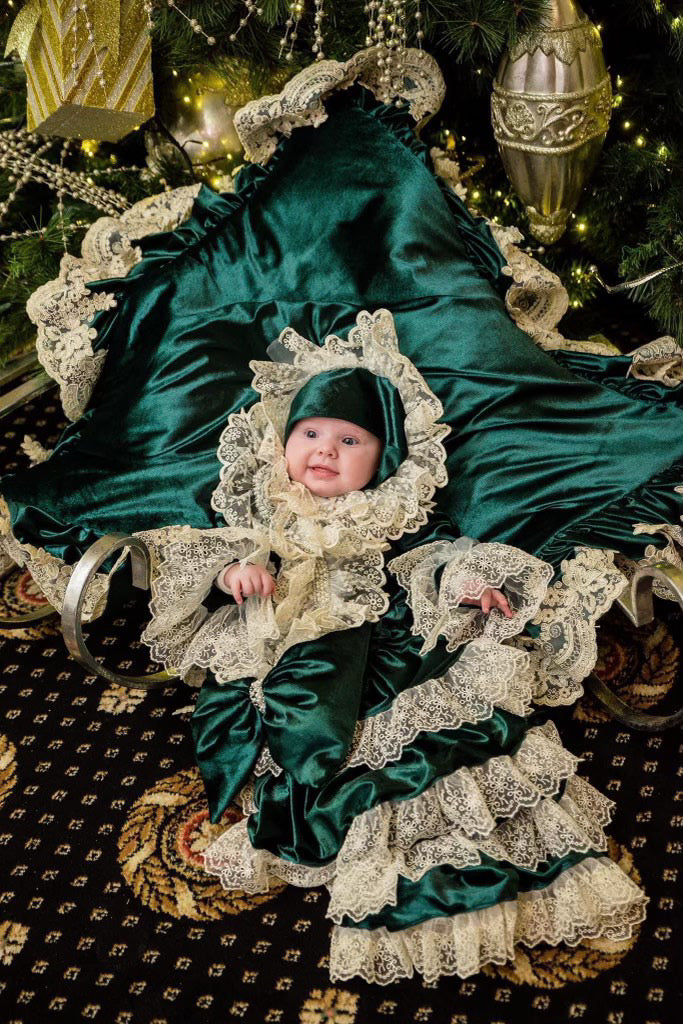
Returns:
(106, 26)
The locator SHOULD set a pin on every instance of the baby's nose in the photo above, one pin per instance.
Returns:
(326, 448)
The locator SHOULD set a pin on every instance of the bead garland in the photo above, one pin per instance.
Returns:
(317, 46)
(60, 189)
(21, 155)
(419, 34)
(83, 8)
(387, 31)
(296, 9)
(252, 8)
(194, 24)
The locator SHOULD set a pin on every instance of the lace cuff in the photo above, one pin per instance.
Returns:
(565, 650)
(468, 569)
(185, 564)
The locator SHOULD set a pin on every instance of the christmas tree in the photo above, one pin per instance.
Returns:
(627, 226)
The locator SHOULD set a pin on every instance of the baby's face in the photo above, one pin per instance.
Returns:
(332, 457)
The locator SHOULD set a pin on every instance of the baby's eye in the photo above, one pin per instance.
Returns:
(349, 440)
(311, 433)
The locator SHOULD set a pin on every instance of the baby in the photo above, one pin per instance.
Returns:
(330, 457)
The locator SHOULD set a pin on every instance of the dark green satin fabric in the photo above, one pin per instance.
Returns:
(445, 890)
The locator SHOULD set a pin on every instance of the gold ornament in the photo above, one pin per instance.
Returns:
(550, 109)
(88, 66)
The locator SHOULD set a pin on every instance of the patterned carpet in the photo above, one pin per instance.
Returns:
(106, 914)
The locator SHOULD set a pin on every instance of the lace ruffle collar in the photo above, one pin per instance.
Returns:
(400, 504)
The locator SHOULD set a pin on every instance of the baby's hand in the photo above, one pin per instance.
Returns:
(492, 599)
(248, 581)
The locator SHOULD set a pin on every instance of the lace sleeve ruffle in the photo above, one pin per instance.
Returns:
(468, 569)
(186, 563)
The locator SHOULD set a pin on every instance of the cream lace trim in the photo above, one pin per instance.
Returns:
(34, 450)
(50, 574)
(469, 569)
(672, 552)
(660, 360)
(456, 819)
(463, 815)
(592, 899)
(398, 505)
(63, 310)
(416, 79)
(566, 649)
(488, 675)
(239, 865)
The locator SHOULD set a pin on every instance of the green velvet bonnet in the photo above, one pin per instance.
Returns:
(361, 397)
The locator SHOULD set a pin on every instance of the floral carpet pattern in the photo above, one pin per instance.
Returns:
(106, 914)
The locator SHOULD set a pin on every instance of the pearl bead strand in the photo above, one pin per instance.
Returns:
(193, 23)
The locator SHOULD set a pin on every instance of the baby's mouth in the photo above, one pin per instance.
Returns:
(323, 471)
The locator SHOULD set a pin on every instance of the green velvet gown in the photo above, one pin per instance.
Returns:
(472, 831)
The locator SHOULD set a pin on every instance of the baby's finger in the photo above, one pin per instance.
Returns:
(502, 602)
(236, 588)
(262, 587)
(268, 585)
(247, 588)
(486, 601)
